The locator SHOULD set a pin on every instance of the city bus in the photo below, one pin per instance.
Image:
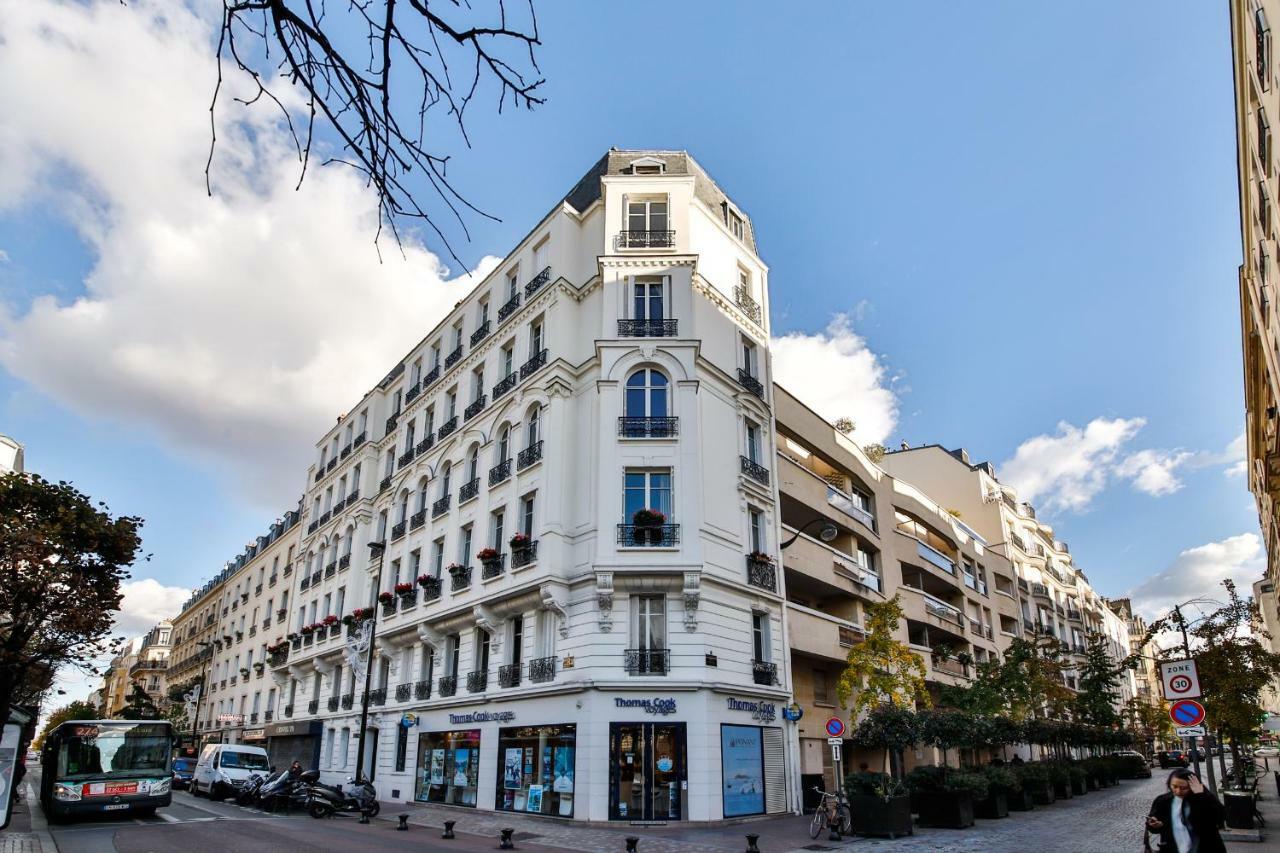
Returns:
(95, 767)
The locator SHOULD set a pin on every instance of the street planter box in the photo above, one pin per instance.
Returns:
(1062, 790)
(1042, 796)
(1094, 783)
(1020, 801)
(946, 809)
(874, 815)
(1079, 787)
(994, 807)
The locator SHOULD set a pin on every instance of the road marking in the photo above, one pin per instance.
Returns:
(170, 818)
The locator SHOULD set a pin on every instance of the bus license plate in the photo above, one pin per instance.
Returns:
(115, 807)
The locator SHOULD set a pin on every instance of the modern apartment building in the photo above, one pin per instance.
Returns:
(1054, 596)
(574, 580)
(853, 534)
(1257, 97)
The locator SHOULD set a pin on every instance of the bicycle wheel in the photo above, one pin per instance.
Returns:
(818, 823)
(845, 820)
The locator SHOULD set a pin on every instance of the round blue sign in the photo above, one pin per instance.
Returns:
(792, 712)
(835, 727)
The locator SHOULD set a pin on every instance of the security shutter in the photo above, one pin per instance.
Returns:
(775, 772)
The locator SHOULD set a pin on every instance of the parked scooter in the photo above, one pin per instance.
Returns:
(327, 800)
(283, 792)
(247, 794)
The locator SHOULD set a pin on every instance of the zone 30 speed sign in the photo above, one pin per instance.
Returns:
(1179, 679)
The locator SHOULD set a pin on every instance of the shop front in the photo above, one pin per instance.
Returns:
(287, 742)
(752, 759)
(537, 766)
(648, 772)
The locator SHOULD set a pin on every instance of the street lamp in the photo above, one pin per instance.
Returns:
(199, 691)
(376, 550)
(828, 532)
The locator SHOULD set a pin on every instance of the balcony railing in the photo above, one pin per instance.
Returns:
(461, 578)
(754, 470)
(747, 305)
(418, 519)
(447, 428)
(647, 661)
(537, 281)
(314, 705)
(500, 472)
(762, 574)
(629, 427)
(524, 555)
(428, 442)
(404, 459)
(477, 681)
(382, 486)
(288, 710)
(509, 675)
(378, 696)
(476, 407)
(529, 455)
(648, 328)
(764, 672)
(432, 375)
(468, 491)
(431, 590)
(398, 529)
(492, 568)
(391, 422)
(542, 669)
(751, 383)
(534, 364)
(1040, 590)
(348, 700)
(481, 332)
(403, 692)
(359, 440)
(453, 358)
(505, 384)
(632, 239)
(344, 561)
(333, 703)
(943, 611)
(413, 392)
(509, 307)
(648, 536)
(440, 507)
(935, 557)
(849, 507)
(422, 689)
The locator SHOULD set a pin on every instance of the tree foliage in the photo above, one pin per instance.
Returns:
(880, 669)
(1095, 703)
(61, 563)
(139, 706)
(75, 711)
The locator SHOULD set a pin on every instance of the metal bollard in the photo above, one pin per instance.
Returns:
(448, 828)
(505, 842)
(364, 815)
(632, 841)
(404, 823)
(751, 843)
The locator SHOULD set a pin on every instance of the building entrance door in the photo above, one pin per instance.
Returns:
(646, 771)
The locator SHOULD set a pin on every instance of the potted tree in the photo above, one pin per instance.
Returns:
(1060, 777)
(880, 804)
(1034, 777)
(945, 795)
(1002, 786)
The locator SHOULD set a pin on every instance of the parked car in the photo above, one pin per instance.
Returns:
(1130, 753)
(1267, 752)
(1171, 758)
(224, 768)
(183, 770)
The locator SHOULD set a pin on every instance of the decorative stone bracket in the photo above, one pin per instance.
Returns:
(552, 596)
(489, 623)
(604, 600)
(692, 595)
(433, 638)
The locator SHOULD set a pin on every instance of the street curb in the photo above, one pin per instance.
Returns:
(39, 825)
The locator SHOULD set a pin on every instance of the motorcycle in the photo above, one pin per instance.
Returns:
(283, 791)
(247, 794)
(327, 800)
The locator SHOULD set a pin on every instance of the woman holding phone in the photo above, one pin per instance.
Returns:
(1187, 817)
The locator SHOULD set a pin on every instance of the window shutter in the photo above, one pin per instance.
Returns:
(775, 776)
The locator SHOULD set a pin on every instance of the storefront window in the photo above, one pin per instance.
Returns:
(448, 767)
(742, 765)
(536, 768)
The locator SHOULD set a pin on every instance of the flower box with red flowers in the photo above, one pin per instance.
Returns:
(386, 597)
(488, 555)
(648, 518)
(307, 630)
(331, 619)
(403, 589)
(519, 542)
(454, 568)
(760, 557)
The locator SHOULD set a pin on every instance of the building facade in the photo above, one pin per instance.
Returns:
(575, 588)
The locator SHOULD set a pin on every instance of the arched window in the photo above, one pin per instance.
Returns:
(347, 540)
(503, 452)
(532, 430)
(647, 394)
(444, 480)
(473, 464)
(422, 494)
(402, 511)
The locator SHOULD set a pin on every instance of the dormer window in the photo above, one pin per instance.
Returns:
(648, 166)
(736, 226)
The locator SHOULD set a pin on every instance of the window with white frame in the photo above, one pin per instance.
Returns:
(445, 475)
(464, 546)
(437, 557)
(646, 489)
(497, 521)
(502, 451)
(649, 620)
(753, 441)
(513, 283)
(647, 394)
(533, 428)
(535, 338)
(756, 530)
(648, 295)
(750, 358)
(526, 515)
(736, 225)
(647, 213)
(760, 636)
(507, 359)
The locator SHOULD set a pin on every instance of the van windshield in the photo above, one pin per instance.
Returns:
(243, 760)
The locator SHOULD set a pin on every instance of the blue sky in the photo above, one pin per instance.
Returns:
(1026, 211)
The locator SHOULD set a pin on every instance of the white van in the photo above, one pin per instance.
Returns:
(224, 767)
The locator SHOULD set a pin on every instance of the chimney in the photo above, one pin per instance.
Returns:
(904, 445)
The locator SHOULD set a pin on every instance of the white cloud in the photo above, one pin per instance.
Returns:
(1233, 458)
(1154, 471)
(146, 602)
(1065, 471)
(235, 326)
(835, 374)
(4, 256)
(1199, 572)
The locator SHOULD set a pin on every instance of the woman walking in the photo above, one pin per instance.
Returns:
(1187, 817)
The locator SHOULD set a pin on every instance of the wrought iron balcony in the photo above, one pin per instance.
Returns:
(453, 358)
(542, 669)
(378, 696)
(314, 705)
(405, 458)
(509, 675)
(403, 692)
(481, 332)
(344, 562)
(509, 307)
(746, 304)
(754, 470)
(386, 481)
(524, 555)
(751, 383)
(648, 427)
(331, 569)
(448, 685)
(440, 507)
(537, 281)
(492, 568)
(305, 583)
(359, 440)
(311, 528)
(764, 672)
(500, 472)
(391, 423)
(460, 579)
(346, 451)
(446, 428)
(422, 689)
(648, 535)
(647, 328)
(431, 376)
(477, 681)
(647, 661)
(476, 407)
(534, 364)
(504, 385)
(413, 392)
(431, 590)
(389, 608)
(529, 455)
(407, 599)
(426, 444)
(762, 574)
(288, 710)
(333, 703)
(632, 239)
(397, 530)
(324, 517)
(348, 700)
(418, 519)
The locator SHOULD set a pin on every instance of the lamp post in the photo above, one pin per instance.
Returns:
(828, 532)
(376, 550)
(199, 690)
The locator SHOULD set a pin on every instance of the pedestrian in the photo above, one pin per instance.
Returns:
(1186, 818)
(1017, 760)
(295, 770)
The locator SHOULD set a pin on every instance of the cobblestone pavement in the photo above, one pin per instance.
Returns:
(19, 842)
(1107, 821)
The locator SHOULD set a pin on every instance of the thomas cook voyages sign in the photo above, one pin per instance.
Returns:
(662, 707)
(765, 712)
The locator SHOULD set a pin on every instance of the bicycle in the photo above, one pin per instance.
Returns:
(832, 813)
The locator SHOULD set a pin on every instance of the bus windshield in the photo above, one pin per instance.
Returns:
(104, 750)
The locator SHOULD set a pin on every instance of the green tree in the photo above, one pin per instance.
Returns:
(1099, 686)
(948, 728)
(1029, 679)
(891, 728)
(61, 563)
(880, 669)
(75, 711)
(139, 706)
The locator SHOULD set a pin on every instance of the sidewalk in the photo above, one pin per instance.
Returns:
(28, 831)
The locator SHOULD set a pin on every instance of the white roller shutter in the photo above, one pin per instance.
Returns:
(775, 772)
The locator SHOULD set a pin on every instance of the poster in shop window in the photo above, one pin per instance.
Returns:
(742, 763)
(563, 783)
(437, 767)
(535, 798)
(460, 759)
(511, 769)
